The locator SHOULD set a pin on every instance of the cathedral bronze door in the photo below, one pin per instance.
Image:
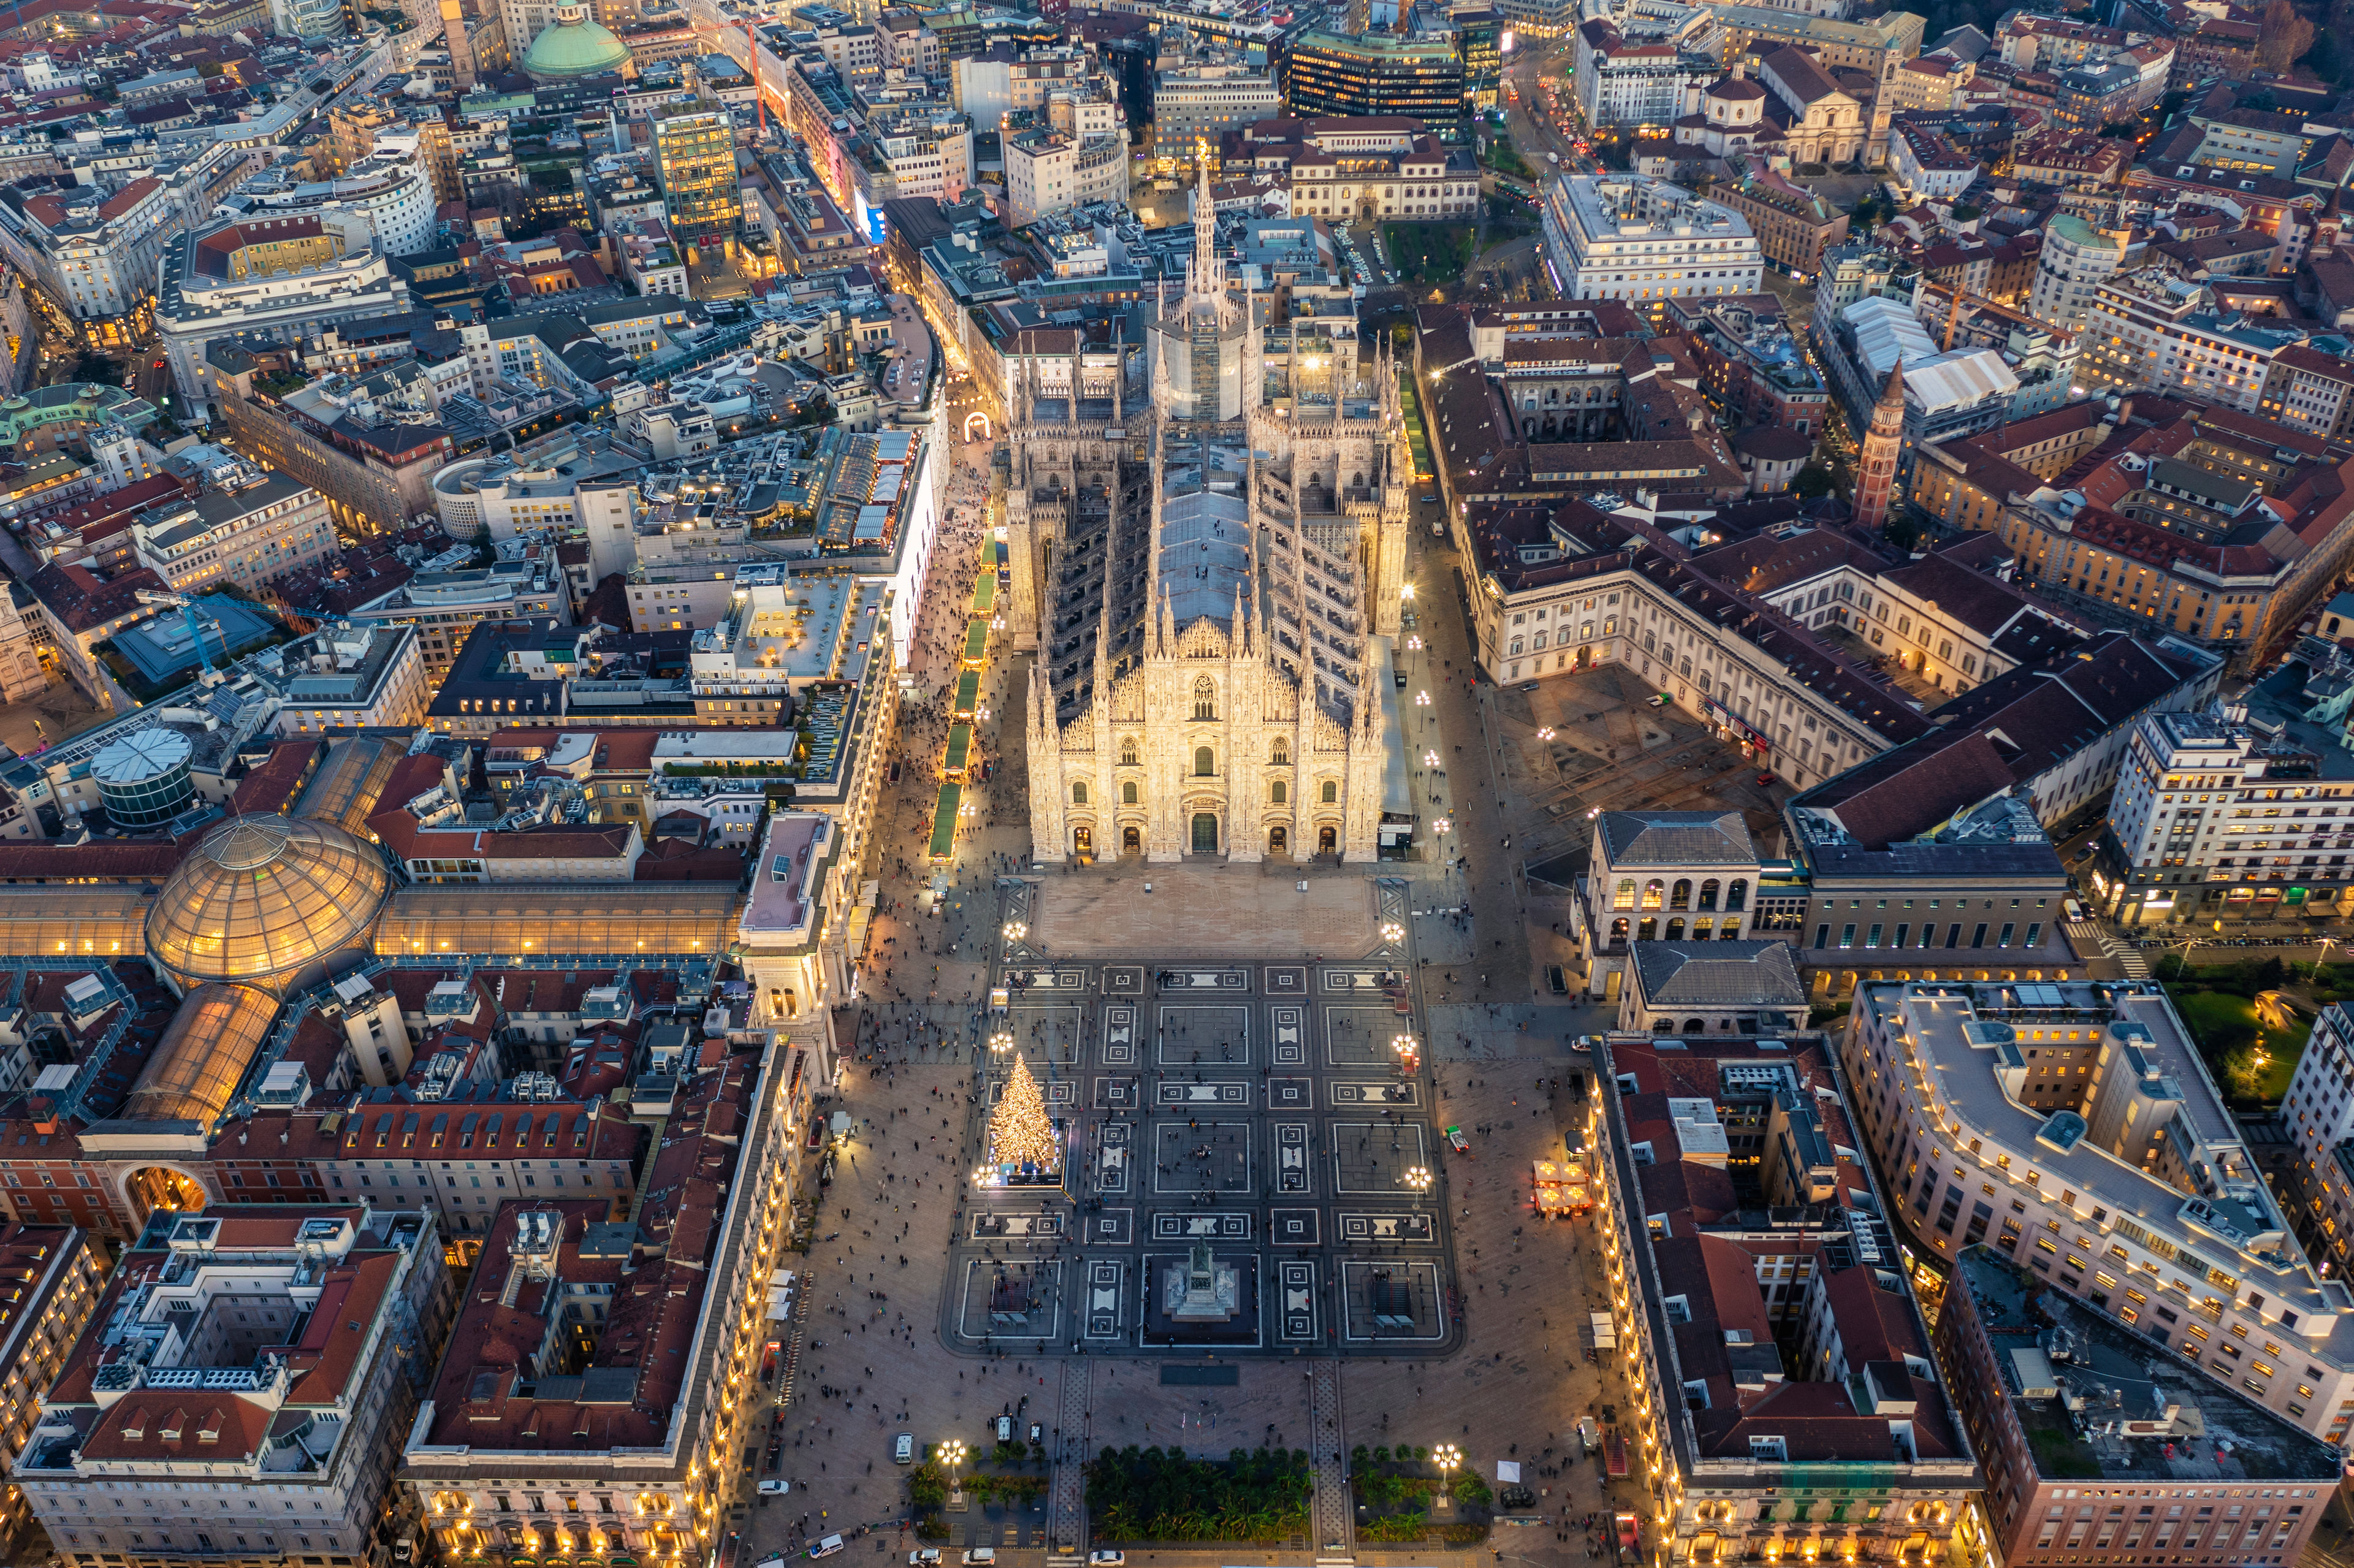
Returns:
(1277, 840)
(1205, 833)
(1328, 840)
(1130, 840)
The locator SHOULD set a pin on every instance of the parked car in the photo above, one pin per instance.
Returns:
(1106, 1559)
(1005, 1429)
(771, 1487)
(1036, 1431)
(903, 1448)
(980, 1557)
(1529, 686)
(1455, 1139)
(1656, 700)
(924, 1557)
(825, 1547)
(1763, 779)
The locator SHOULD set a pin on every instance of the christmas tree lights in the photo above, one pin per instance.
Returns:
(1018, 1133)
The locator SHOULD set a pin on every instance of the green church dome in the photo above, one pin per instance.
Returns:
(573, 45)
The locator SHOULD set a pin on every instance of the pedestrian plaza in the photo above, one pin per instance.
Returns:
(1249, 1163)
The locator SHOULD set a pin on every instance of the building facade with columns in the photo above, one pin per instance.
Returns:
(1210, 583)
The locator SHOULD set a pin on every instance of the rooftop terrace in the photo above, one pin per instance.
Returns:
(2100, 1402)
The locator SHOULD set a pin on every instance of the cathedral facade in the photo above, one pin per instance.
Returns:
(1206, 583)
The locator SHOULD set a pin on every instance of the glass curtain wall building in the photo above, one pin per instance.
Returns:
(695, 158)
(1378, 73)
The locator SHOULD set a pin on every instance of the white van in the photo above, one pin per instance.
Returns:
(980, 1557)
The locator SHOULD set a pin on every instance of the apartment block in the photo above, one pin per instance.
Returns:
(618, 1437)
(211, 1380)
(2175, 477)
(1783, 1398)
(2076, 258)
(1193, 103)
(1646, 241)
(1060, 164)
(2056, 1394)
(2242, 811)
(243, 530)
(2171, 335)
(55, 1275)
(2308, 390)
(2073, 1127)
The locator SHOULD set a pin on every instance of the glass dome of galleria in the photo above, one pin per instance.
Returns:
(262, 900)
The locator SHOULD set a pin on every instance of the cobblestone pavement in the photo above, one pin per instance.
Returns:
(1333, 1519)
(1068, 1526)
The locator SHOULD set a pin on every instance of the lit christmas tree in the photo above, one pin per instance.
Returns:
(1018, 1132)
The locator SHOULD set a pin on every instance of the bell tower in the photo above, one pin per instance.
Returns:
(1875, 468)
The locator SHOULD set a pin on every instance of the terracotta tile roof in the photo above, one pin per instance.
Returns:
(150, 859)
(1798, 72)
(639, 1369)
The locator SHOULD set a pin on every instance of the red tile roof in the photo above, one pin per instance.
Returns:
(649, 1326)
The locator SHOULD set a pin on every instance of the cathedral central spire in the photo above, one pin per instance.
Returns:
(1205, 279)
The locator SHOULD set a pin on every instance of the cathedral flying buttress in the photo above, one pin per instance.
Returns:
(1211, 582)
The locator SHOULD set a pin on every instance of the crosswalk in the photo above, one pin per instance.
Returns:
(2085, 935)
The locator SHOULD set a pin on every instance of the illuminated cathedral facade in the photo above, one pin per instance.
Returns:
(1207, 583)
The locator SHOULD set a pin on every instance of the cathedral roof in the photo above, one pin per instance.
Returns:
(1149, 571)
(1205, 549)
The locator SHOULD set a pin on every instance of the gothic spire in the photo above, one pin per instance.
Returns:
(1104, 610)
(1042, 705)
(1205, 235)
(1365, 698)
(1153, 607)
(1299, 574)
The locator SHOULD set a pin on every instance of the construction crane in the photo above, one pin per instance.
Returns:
(187, 605)
(760, 99)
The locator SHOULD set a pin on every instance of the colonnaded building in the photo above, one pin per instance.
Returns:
(1210, 588)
